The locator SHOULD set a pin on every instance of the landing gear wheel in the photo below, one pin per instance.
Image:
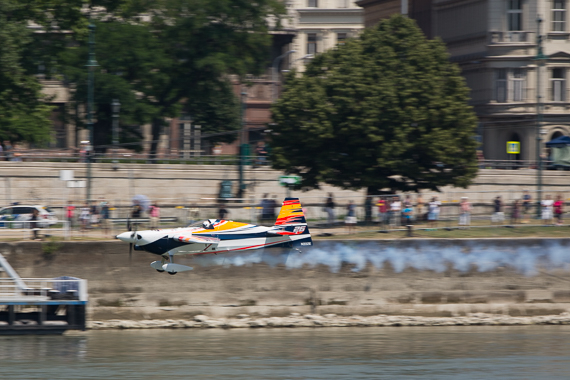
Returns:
(160, 270)
(172, 273)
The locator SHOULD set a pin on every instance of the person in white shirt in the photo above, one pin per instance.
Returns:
(433, 212)
(396, 210)
(547, 210)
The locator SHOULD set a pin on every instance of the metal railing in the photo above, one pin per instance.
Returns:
(22, 228)
(43, 289)
(135, 158)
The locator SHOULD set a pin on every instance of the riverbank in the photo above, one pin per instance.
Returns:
(296, 320)
(415, 278)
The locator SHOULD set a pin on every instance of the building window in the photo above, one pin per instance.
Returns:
(514, 15)
(313, 3)
(501, 86)
(558, 85)
(559, 15)
(341, 38)
(311, 43)
(518, 85)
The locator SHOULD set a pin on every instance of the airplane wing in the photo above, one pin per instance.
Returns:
(197, 244)
(189, 238)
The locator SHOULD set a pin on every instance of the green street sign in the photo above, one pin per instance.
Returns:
(513, 147)
(289, 180)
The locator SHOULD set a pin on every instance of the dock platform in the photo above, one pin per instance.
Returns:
(40, 305)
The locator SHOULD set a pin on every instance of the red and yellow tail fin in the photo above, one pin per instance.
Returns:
(291, 213)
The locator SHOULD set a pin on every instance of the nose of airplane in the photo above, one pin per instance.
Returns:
(127, 237)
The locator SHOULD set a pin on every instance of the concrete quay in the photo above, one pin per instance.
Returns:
(122, 289)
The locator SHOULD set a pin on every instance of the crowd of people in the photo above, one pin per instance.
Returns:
(396, 211)
(97, 214)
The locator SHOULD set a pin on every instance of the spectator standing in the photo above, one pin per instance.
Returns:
(34, 223)
(559, 209)
(464, 212)
(516, 212)
(329, 208)
(368, 210)
(105, 214)
(498, 214)
(8, 150)
(420, 207)
(433, 212)
(85, 217)
(1, 153)
(154, 215)
(94, 215)
(350, 220)
(527, 206)
(547, 205)
(408, 214)
(272, 206)
(69, 213)
(264, 205)
(396, 211)
(222, 212)
(382, 211)
(136, 211)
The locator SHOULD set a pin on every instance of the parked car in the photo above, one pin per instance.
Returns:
(24, 213)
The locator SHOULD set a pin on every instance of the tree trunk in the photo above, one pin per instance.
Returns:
(156, 128)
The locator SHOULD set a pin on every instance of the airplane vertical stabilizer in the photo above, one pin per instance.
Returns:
(292, 221)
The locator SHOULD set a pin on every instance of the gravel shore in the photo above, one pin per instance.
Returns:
(331, 320)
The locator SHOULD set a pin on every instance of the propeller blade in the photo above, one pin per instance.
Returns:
(130, 252)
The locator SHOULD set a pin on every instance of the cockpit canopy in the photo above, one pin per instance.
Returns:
(207, 224)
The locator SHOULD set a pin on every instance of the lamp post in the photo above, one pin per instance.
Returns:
(243, 147)
(91, 64)
(540, 61)
(274, 71)
(116, 108)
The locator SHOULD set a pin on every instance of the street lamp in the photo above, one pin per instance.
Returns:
(275, 66)
(243, 147)
(540, 59)
(91, 64)
(116, 109)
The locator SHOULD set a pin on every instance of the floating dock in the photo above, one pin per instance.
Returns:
(40, 305)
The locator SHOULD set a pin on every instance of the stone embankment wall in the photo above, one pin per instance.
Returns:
(128, 289)
(185, 184)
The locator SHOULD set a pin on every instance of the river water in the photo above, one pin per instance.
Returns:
(475, 352)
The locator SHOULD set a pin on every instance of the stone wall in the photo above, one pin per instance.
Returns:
(38, 182)
(127, 288)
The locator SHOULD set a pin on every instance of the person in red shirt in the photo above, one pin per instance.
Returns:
(559, 209)
(382, 211)
(70, 210)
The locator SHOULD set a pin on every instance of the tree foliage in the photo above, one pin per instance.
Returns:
(385, 111)
(23, 114)
(175, 59)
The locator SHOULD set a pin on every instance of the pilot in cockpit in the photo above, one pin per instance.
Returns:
(208, 225)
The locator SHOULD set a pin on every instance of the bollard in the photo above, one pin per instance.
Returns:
(409, 226)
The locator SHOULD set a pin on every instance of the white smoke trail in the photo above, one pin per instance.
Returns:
(436, 257)
(426, 255)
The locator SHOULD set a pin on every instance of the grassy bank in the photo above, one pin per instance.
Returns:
(518, 231)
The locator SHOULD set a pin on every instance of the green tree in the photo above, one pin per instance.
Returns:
(23, 114)
(386, 111)
(177, 60)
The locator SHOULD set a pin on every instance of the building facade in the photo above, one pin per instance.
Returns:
(320, 26)
(495, 44)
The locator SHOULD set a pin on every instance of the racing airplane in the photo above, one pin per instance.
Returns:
(216, 236)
